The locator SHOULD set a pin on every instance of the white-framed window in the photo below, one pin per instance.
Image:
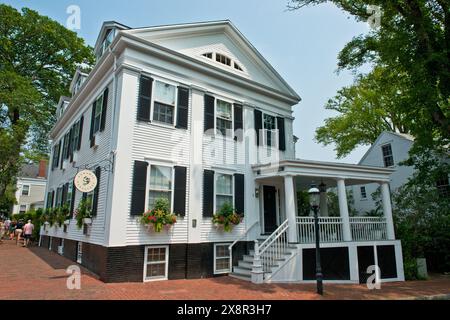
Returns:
(65, 151)
(270, 127)
(160, 184)
(363, 192)
(23, 208)
(26, 190)
(208, 55)
(221, 258)
(75, 136)
(90, 198)
(164, 102)
(79, 252)
(69, 195)
(98, 105)
(224, 190)
(156, 263)
(223, 59)
(224, 117)
(237, 66)
(107, 40)
(59, 194)
(388, 157)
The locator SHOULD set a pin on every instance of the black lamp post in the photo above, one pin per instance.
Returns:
(314, 200)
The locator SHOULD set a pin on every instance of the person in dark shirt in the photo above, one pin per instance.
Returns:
(19, 230)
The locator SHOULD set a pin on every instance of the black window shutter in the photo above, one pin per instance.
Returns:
(71, 147)
(98, 172)
(104, 110)
(91, 133)
(59, 154)
(238, 123)
(182, 108)
(145, 98)
(281, 134)
(208, 193)
(239, 196)
(258, 125)
(138, 188)
(179, 204)
(54, 157)
(49, 200)
(63, 141)
(52, 201)
(209, 112)
(72, 203)
(80, 132)
(64, 194)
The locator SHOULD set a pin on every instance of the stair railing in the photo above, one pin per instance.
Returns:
(242, 236)
(273, 248)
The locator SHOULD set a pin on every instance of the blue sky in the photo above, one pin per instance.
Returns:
(302, 45)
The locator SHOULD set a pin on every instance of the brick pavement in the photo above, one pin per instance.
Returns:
(36, 273)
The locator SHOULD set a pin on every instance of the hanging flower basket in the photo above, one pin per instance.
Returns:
(159, 217)
(226, 218)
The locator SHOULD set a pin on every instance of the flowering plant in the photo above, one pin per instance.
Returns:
(83, 211)
(159, 216)
(227, 217)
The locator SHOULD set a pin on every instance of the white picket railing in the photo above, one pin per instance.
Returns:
(273, 248)
(368, 228)
(330, 229)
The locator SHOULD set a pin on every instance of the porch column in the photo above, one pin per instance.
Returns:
(387, 210)
(343, 209)
(290, 197)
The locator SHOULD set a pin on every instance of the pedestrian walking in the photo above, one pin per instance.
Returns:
(18, 232)
(28, 233)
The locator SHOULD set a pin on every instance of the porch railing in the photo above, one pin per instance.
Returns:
(368, 228)
(330, 229)
(273, 248)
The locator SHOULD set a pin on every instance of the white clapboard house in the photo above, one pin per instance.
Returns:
(194, 113)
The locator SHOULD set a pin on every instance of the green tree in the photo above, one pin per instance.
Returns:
(373, 104)
(413, 39)
(38, 57)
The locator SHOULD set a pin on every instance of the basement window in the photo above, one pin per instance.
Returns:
(221, 258)
(156, 263)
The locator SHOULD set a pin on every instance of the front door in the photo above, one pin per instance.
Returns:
(270, 209)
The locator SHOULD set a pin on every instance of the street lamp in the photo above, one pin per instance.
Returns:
(314, 200)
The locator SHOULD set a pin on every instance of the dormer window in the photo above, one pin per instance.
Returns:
(107, 40)
(78, 84)
(223, 59)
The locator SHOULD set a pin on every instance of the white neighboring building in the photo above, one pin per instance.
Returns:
(194, 113)
(387, 151)
(31, 184)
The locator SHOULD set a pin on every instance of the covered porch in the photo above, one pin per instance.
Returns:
(278, 186)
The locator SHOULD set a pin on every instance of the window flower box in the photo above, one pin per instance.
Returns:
(159, 217)
(226, 218)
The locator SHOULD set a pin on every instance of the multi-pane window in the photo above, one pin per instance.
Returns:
(224, 190)
(90, 200)
(55, 160)
(65, 153)
(160, 184)
(387, 155)
(75, 136)
(224, 115)
(164, 102)
(223, 59)
(23, 208)
(156, 262)
(25, 190)
(363, 193)
(79, 252)
(269, 128)
(58, 197)
(221, 258)
(69, 195)
(98, 113)
(443, 186)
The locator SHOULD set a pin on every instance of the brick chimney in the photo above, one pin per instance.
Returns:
(42, 169)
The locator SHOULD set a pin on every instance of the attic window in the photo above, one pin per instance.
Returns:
(223, 59)
(208, 55)
(237, 67)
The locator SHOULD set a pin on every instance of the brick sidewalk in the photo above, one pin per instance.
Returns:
(36, 273)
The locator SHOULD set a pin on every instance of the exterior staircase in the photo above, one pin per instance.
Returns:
(273, 257)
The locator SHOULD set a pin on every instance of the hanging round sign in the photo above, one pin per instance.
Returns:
(85, 181)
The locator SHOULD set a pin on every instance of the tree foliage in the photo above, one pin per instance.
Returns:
(38, 57)
(413, 41)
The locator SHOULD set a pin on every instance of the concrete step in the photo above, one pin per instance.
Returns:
(245, 264)
(240, 276)
(242, 270)
(248, 258)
